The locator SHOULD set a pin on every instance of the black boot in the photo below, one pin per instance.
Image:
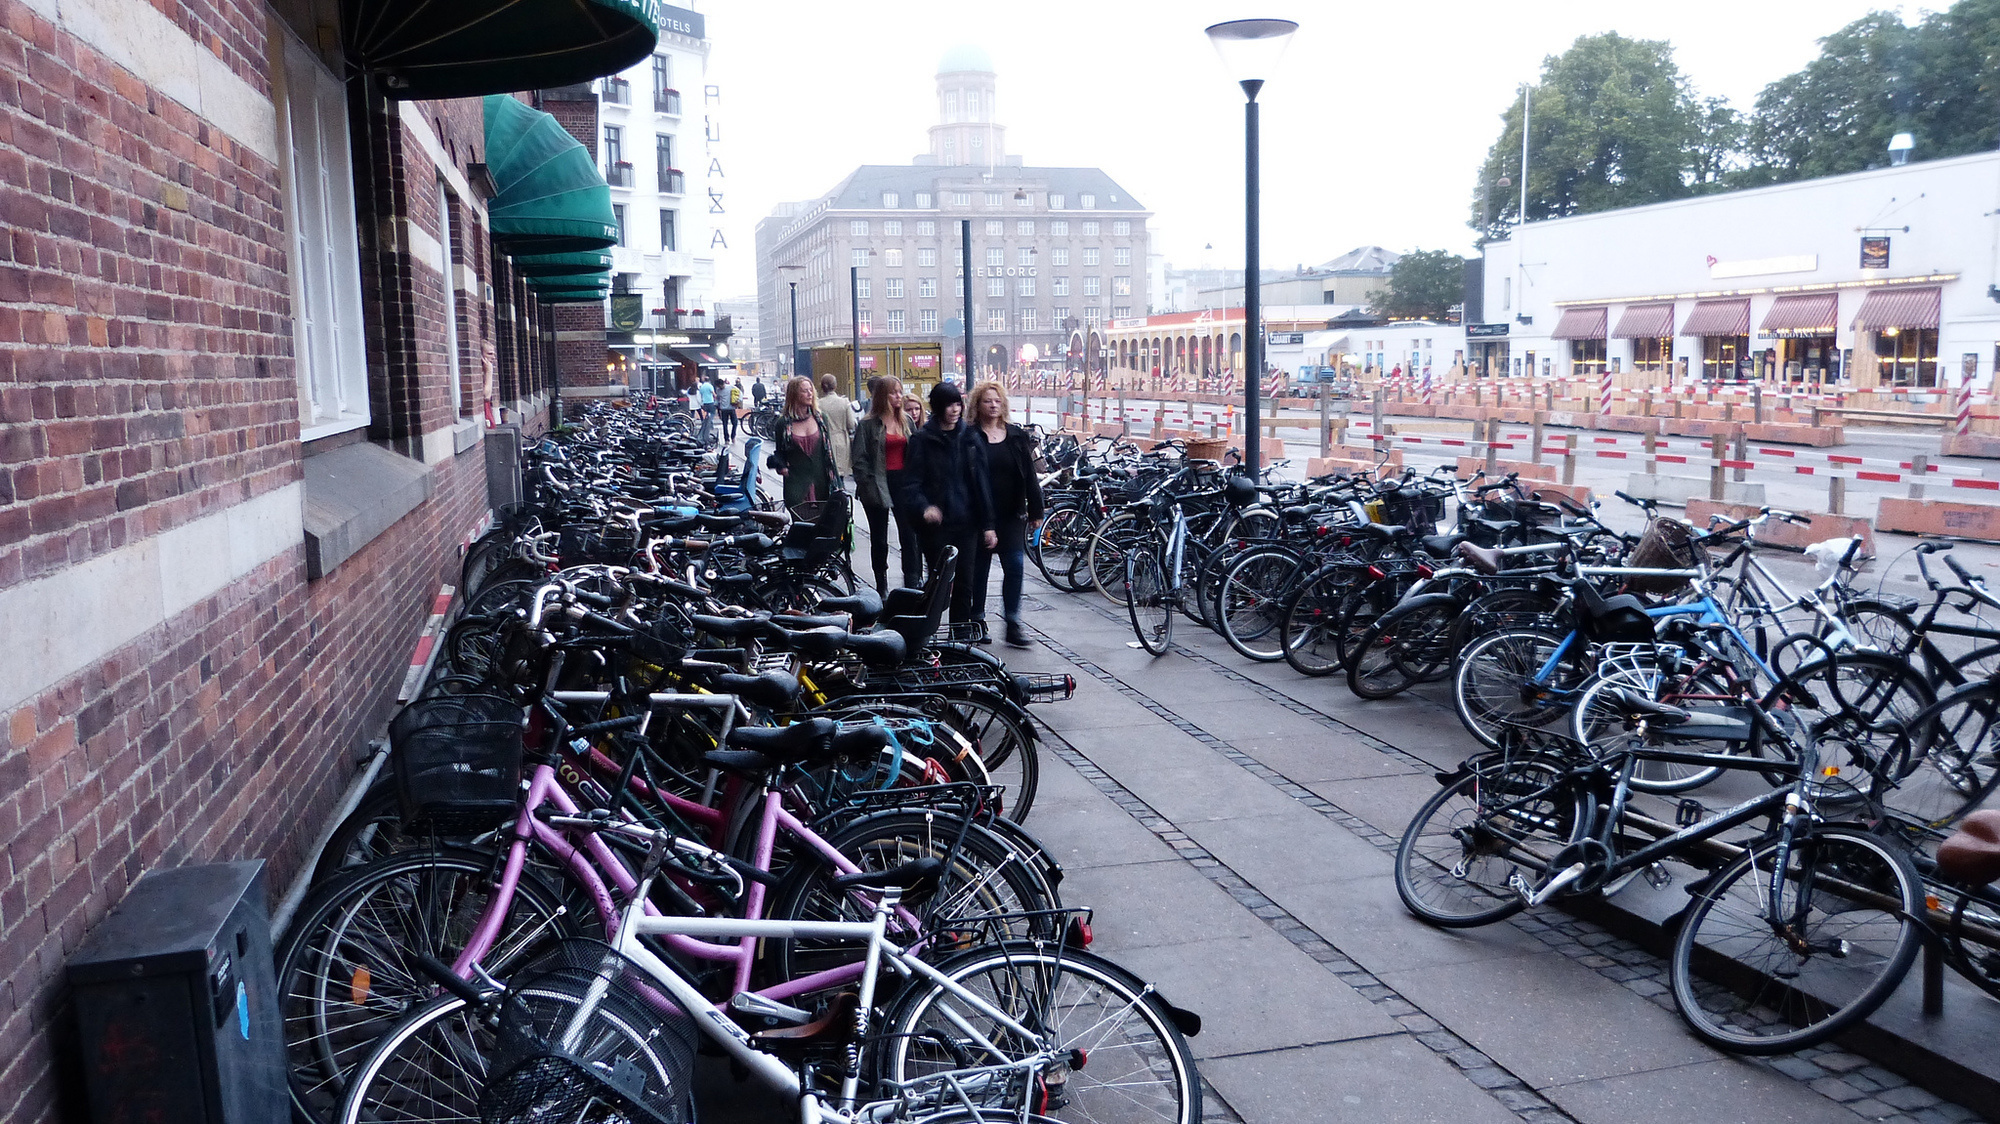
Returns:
(1016, 635)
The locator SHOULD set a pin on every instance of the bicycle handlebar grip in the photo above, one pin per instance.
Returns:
(1932, 547)
(1958, 569)
(441, 973)
(1629, 499)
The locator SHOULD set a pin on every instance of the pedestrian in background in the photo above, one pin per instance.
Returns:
(757, 393)
(801, 454)
(1016, 494)
(839, 415)
(881, 451)
(705, 396)
(730, 396)
(945, 485)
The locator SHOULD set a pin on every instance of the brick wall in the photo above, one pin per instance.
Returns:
(147, 384)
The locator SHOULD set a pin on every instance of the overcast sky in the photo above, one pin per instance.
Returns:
(1372, 130)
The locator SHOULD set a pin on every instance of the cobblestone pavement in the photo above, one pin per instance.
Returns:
(1234, 825)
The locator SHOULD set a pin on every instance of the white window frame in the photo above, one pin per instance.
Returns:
(327, 339)
(895, 321)
(1028, 320)
(927, 257)
(892, 258)
(445, 268)
(857, 228)
(892, 289)
(996, 228)
(926, 287)
(891, 200)
(923, 200)
(1024, 227)
(892, 227)
(1122, 227)
(927, 321)
(996, 286)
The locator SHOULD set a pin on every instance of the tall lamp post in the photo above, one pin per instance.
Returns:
(854, 318)
(1250, 50)
(791, 274)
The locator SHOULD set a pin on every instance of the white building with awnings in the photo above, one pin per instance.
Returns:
(1882, 279)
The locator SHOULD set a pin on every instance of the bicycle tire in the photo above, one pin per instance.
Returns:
(1861, 897)
(1453, 864)
(1601, 722)
(347, 969)
(1145, 601)
(374, 830)
(987, 877)
(1948, 766)
(1136, 1065)
(1491, 687)
(1311, 625)
(1061, 541)
(1005, 741)
(1251, 604)
(1104, 559)
(1404, 646)
(1874, 702)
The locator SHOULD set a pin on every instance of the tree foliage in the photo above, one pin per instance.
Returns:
(1423, 284)
(1612, 123)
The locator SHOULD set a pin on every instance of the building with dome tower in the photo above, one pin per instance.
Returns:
(1057, 253)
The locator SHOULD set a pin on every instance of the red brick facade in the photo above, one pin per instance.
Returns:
(148, 386)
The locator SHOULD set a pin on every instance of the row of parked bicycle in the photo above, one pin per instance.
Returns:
(1606, 676)
(674, 789)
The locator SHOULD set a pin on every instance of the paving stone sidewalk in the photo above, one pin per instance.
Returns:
(1234, 824)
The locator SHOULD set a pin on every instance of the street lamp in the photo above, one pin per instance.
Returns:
(1250, 50)
(854, 317)
(791, 274)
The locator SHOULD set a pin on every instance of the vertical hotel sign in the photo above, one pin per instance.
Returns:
(1875, 251)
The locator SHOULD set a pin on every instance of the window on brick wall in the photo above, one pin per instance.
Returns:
(446, 206)
(326, 257)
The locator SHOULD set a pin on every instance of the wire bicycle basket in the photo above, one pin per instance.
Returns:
(457, 760)
(1667, 544)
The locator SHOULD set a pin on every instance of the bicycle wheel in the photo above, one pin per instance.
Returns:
(1005, 741)
(1404, 646)
(1861, 722)
(372, 831)
(1459, 855)
(1498, 682)
(1604, 722)
(1146, 600)
(1194, 556)
(1061, 541)
(1947, 767)
(1118, 1052)
(1310, 628)
(347, 966)
(1781, 976)
(1251, 604)
(984, 877)
(1104, 559)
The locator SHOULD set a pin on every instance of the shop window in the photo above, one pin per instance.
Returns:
(1587, 357)
(1652, 356)
(1907, 357)
(1725, 358)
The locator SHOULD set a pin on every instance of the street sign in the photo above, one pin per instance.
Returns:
(954, 327)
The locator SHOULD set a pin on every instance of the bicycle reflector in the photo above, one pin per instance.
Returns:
(1377, 573)
(1424, 571)
(1078, 934)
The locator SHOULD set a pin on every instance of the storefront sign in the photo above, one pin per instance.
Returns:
(1875, 251)
(680, 21)
(627, 310)
(1282, 338)
(923, 362)
(1752, 267)
(1485, 331)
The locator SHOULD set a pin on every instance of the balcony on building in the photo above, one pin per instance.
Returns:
(672, 182)
(617, 91)
(667, 101)
(619, 174)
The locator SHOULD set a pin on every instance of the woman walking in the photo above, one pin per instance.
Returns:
(1016, 493)
(881, 449)
(945, 485)
(801, 455)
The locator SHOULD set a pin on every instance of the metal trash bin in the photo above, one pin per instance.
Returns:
(176, 1002)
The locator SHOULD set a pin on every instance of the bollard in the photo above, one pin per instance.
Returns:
(1836, 494)
(1715, 475)
(1492, 446)
(1325, 422)
(1569, 460)
(1742, 452)
(1756, 405)
(1815, 414)
(1536, 437)
(1920, 465)
(1378, 410)
(1651, 442)
(1551, 396)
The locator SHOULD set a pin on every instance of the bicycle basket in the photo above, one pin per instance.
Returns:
(625, 1057)
(457, 760)
(1668, 544)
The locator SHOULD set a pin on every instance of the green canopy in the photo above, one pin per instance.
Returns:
(550, 198)
(549, 265)
(570, 283)
(580, 296)
(465, 48)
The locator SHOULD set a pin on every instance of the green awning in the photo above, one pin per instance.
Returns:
(465, 48)
(548, 265)
(571, 283)
(550, 198)
(580, 296)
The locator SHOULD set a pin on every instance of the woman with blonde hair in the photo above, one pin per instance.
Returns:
(1017, 505)
(881, 442)
(801, 454)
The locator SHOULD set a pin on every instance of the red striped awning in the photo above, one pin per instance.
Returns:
(1803, 314)
(1898, 308)
(1646, 322)
(1582, 323)
(1719, 318)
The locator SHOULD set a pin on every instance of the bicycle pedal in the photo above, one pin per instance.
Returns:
(1689, 813)
(1658, 876)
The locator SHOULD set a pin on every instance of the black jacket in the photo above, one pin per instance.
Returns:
(947, 469)
(1010, 468)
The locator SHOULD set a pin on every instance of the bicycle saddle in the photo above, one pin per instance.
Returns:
(1485, 559)
(1385, 531)
(719, 522)
(1972, 854)
(732, 628)
(864, 606)
(879, 649)
(904, 601)
(1440, 546)
(769, 689)
(814, 643)
(806, 622)
(1635, 704)
(769, 518)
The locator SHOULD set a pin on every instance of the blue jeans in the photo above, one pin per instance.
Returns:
(1013, 554)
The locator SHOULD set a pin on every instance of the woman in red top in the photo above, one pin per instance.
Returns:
(879, 443)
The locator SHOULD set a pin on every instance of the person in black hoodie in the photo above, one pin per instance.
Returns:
(944, 482)
(1017, 504)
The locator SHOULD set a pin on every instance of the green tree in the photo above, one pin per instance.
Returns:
(1612, 123)
(1938, 80)
(1423, 284)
